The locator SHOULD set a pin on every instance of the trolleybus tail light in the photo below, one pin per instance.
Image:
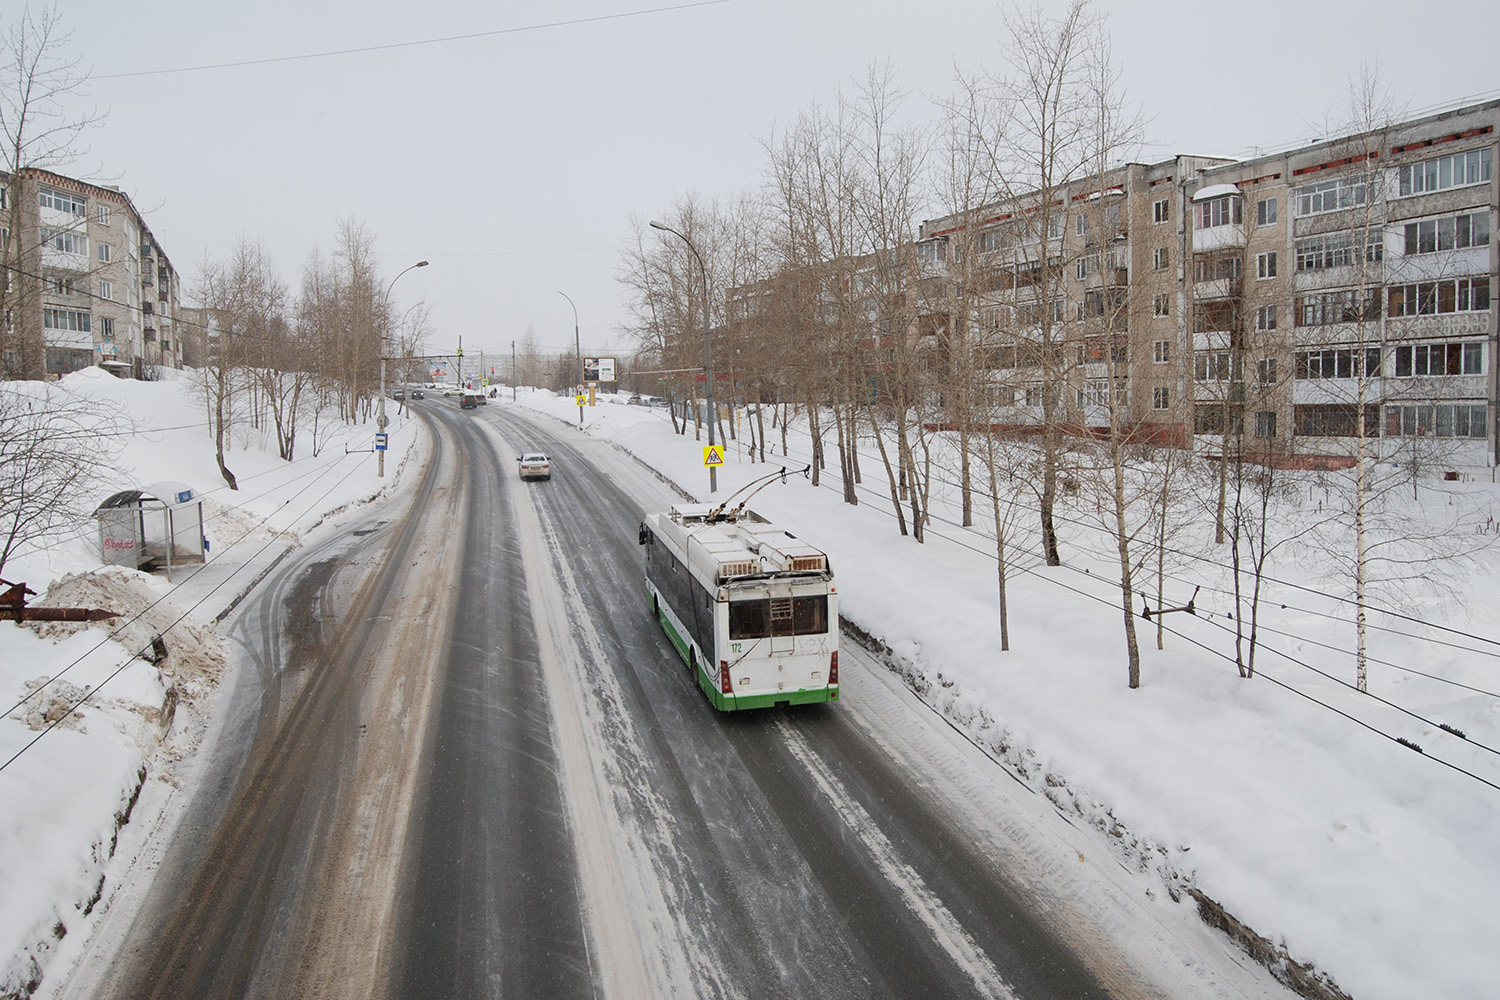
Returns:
(833, 668)
(724, 684)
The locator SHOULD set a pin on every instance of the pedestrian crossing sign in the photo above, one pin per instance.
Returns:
(713, 455)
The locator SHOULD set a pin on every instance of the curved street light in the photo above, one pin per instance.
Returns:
(382, 421)
(578, 350)
(708, 357)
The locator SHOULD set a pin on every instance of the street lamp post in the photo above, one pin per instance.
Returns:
(708, 355)
(383, 421)
(579, 352)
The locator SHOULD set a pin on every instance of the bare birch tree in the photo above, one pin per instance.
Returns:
(39, 129)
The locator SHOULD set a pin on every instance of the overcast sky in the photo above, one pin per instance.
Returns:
(514, 161)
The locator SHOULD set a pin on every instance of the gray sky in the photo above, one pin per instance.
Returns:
(514, 161)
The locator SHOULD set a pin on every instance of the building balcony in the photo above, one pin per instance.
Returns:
(1218, 237)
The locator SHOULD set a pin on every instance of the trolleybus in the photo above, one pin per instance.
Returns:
(751, 608)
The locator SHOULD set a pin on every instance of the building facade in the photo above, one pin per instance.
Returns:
(87, 282)
(1283, 305)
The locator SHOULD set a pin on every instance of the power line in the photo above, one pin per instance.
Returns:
(412, 44)
(117, 630)
(1279, 683)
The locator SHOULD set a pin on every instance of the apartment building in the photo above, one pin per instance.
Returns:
(88, 283)
(1281, 305)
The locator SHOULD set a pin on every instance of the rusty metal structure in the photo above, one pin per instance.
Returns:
(13, 608)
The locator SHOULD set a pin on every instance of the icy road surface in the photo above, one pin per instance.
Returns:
(462, 760)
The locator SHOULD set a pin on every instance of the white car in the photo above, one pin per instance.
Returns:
(535, 465)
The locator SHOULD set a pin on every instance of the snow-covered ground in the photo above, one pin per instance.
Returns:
(1357, 855)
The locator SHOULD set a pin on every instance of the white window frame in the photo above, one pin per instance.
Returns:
(1161, 211)
(1265, 212)
(1265, 265)
(1161, 398)
(1161, 352)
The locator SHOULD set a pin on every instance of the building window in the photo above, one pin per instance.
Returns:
(65, 319)
(1161, 352)
(1432, 298)
(1337, 250)
(1055, 226)
(1446, 420)
(1215, 315)
(1096, 392)
(1161, 258)
(1265, 212)
(1456, 232)
(1442, 172)
(1331, 196)
(1081, 223)
(1324, 308)
(62, 360)
(1081, 268)
(1099, 349)
(101, 214)
(107, 327)
(62, 201)
(1265, 423)
(106, 289)
(1265, 265)
(1161, 398)
(1161, 211)
(1216, 268)
(1213, 418)
(1215, 212)
(1439, 359)
(104, 253)
(1335, 420)
(989, 241)
(1161, 305)
(1338, 363)
(65, 242)
(1265, 371)
(1265, 319)
(1213, 366)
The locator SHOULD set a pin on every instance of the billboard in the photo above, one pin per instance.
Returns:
(599, 370)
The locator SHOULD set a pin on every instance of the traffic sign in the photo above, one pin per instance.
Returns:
(380, 440)
(713, 455)
(581, 399)
(382, 421)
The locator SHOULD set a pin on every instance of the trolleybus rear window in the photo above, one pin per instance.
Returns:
(757, 619)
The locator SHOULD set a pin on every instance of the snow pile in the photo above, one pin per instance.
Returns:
(90, 712)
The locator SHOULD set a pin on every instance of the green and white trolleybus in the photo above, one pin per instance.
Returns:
(751, 608)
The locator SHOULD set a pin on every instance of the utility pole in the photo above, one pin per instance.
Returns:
(579, 352)
(383, 420)
(512, 371)
(708, 355)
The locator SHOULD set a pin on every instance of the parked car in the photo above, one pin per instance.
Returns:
(636, 400)
(535, 465)
(398, 393)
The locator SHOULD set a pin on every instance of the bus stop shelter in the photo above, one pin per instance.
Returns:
(159, 527)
